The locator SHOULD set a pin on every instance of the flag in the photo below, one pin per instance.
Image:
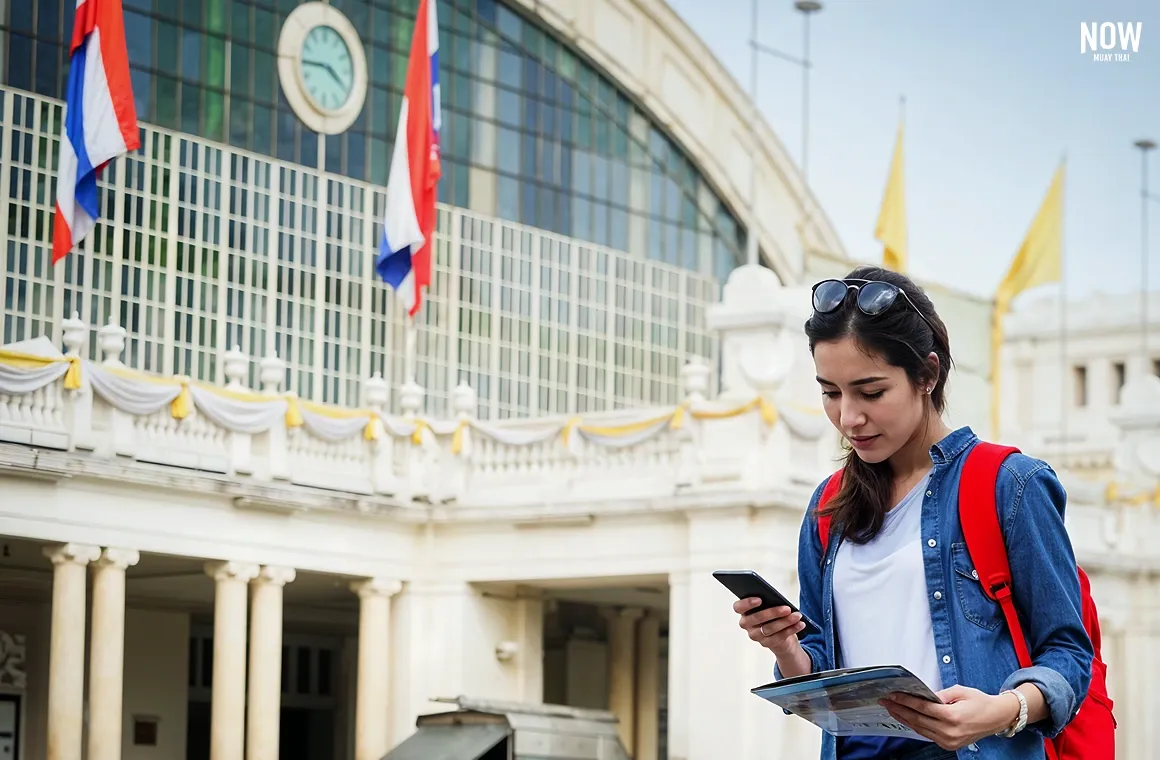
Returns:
(1039, 261)
(404, 258)
(100, 119)
(891, 227)
(1040, 257)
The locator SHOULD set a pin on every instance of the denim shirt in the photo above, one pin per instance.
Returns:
(970, 633)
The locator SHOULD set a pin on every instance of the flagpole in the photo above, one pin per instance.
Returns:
(409, 350)
(1064, 374)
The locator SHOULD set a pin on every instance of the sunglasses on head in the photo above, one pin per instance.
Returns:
(873, 297)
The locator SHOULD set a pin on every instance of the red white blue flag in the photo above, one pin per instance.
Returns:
(404, 258)
(100, 119)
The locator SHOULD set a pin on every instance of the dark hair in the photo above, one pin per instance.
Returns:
(903, 339)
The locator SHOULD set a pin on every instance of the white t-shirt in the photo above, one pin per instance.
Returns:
(880, 604)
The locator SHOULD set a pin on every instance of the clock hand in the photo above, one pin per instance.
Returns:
(330, 70)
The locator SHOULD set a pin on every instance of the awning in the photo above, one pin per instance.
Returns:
(463, 742)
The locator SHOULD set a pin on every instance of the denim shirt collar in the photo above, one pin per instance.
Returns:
(953, 445)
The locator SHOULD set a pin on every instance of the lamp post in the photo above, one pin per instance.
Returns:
(806, 8)
(1144, 146)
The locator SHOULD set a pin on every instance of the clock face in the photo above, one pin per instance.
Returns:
(327, 70)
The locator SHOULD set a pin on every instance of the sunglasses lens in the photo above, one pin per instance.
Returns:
(876, 297)
(829, 296)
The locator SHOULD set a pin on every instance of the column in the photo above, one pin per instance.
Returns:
(622, 671)
(264, 706)
(648, 661)
(107, 653)
(66, 654)
(373, 679)
(228, 699)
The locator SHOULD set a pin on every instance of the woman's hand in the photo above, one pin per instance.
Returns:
(965, 716)
(775, 629)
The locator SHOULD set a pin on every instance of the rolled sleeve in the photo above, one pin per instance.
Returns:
(1047, 592)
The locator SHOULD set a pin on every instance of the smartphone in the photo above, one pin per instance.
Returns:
(747, 584)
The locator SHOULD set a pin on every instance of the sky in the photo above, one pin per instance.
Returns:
(997, 93)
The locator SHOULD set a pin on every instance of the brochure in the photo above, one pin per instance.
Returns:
(845, 702)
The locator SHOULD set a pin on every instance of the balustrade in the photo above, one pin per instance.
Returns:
(106, 410)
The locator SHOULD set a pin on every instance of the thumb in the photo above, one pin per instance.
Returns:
(953, 694)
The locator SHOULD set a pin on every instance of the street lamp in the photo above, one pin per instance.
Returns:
(1144, 146)
(806, 8)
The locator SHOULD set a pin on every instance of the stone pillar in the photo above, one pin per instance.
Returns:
(66, 663)
(227, 732)
(648, 662)
(264, 705)
(374, 653)
(622, 671)
(107, 653)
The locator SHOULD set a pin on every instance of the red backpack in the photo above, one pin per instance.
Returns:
(1091, 734)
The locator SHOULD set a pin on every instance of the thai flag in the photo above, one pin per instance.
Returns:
(404, 258)
(100, 119)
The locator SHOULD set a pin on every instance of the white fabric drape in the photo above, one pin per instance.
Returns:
(132, 392)
(332, 429)
(521, 436)
(16, 379)
(249, 416)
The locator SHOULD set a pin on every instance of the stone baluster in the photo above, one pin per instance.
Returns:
(111, 341)
(763, 353)
(411, 401)
(271, 373)
(695, 381)
(78, 405)
(695, 378)
(457, 466)
(236, 367)
(382, 458)
(276, 463)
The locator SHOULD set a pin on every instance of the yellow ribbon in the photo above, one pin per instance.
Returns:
(371, 431)
(457, 437)
(181, 406)
(72, 377)
(417, 433)
(293, 412)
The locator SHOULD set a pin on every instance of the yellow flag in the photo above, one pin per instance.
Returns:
(1040, 258)
(1038, 262)
(891, 227)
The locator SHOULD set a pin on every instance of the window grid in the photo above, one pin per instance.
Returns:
(200, 248)
(562, 147)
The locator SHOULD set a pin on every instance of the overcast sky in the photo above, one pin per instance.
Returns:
(996, 93)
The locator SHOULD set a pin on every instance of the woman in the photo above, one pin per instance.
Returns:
(897, 576)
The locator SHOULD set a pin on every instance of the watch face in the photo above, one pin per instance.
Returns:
(327, 72)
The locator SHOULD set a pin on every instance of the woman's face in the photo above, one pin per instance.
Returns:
(872, 403)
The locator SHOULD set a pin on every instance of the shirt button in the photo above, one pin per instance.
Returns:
(947, 659)
(938, 595)
(975, 574)
(931, 543)
(928, 493)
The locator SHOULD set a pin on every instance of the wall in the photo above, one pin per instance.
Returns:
(34, 621)
(156, 674)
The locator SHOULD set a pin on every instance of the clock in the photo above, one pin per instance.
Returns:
(322, 67)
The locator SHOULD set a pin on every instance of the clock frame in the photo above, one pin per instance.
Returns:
(305, 19)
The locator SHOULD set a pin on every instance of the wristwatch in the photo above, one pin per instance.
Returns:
(1020, 722)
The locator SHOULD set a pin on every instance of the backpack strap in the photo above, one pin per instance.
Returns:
(828, 492)
(979, 517)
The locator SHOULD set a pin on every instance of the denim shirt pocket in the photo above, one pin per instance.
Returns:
(975, 604)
